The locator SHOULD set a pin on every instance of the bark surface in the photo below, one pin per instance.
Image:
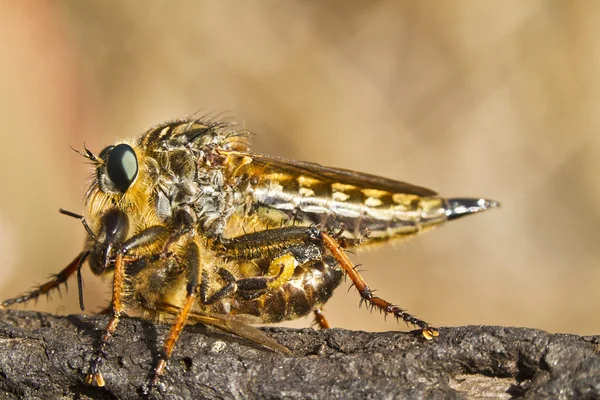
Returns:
(46, 357)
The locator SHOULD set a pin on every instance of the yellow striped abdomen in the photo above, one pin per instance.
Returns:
(382, 213)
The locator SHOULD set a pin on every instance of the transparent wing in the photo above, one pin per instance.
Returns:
(264, 164)
(237, 325)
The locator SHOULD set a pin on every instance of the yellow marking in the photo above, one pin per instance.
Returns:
(306, 192)
(306, 181)
(340, 196)
(244, 270)
(432, 207)
(373, 202)
(406, 201)
(342, 187)
(164, 132)
(288, 263)
(274, 176)
(375, 193)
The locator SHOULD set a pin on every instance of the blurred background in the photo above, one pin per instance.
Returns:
(499, 99)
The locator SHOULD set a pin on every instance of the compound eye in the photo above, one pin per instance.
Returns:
(122, 167)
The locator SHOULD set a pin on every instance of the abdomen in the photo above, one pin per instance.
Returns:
(309, 288)
(384, 214)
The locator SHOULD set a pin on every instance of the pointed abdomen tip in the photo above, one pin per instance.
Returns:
(459, 207)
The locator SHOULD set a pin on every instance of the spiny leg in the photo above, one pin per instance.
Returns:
(287, 247)
(280, 271)
(268, 243)
(367, 294)
(53, 284)
(144, 238)
(293, 247)
(227, 290)
(320, 319)
(94, 376)
(192, 261)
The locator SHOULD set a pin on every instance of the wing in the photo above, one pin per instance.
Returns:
(334, 175)
(238, 325)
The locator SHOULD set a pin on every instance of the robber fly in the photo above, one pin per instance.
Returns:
(193, 226)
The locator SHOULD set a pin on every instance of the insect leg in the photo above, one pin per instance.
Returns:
(183, 222)
(227, 290)
(367, 294)
(94, 376)
(51, 285)
(192, 261)
(287, 247)
(320, 319)
(144, 238)
(268, 243)
(280, 271)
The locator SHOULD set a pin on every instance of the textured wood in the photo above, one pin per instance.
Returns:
(45, 356)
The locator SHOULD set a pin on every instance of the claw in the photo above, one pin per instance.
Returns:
(95, 379)
(429, 333)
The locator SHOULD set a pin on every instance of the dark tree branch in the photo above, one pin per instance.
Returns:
(44, 356)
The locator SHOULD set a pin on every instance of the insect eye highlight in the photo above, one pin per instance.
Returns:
(122, 166)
